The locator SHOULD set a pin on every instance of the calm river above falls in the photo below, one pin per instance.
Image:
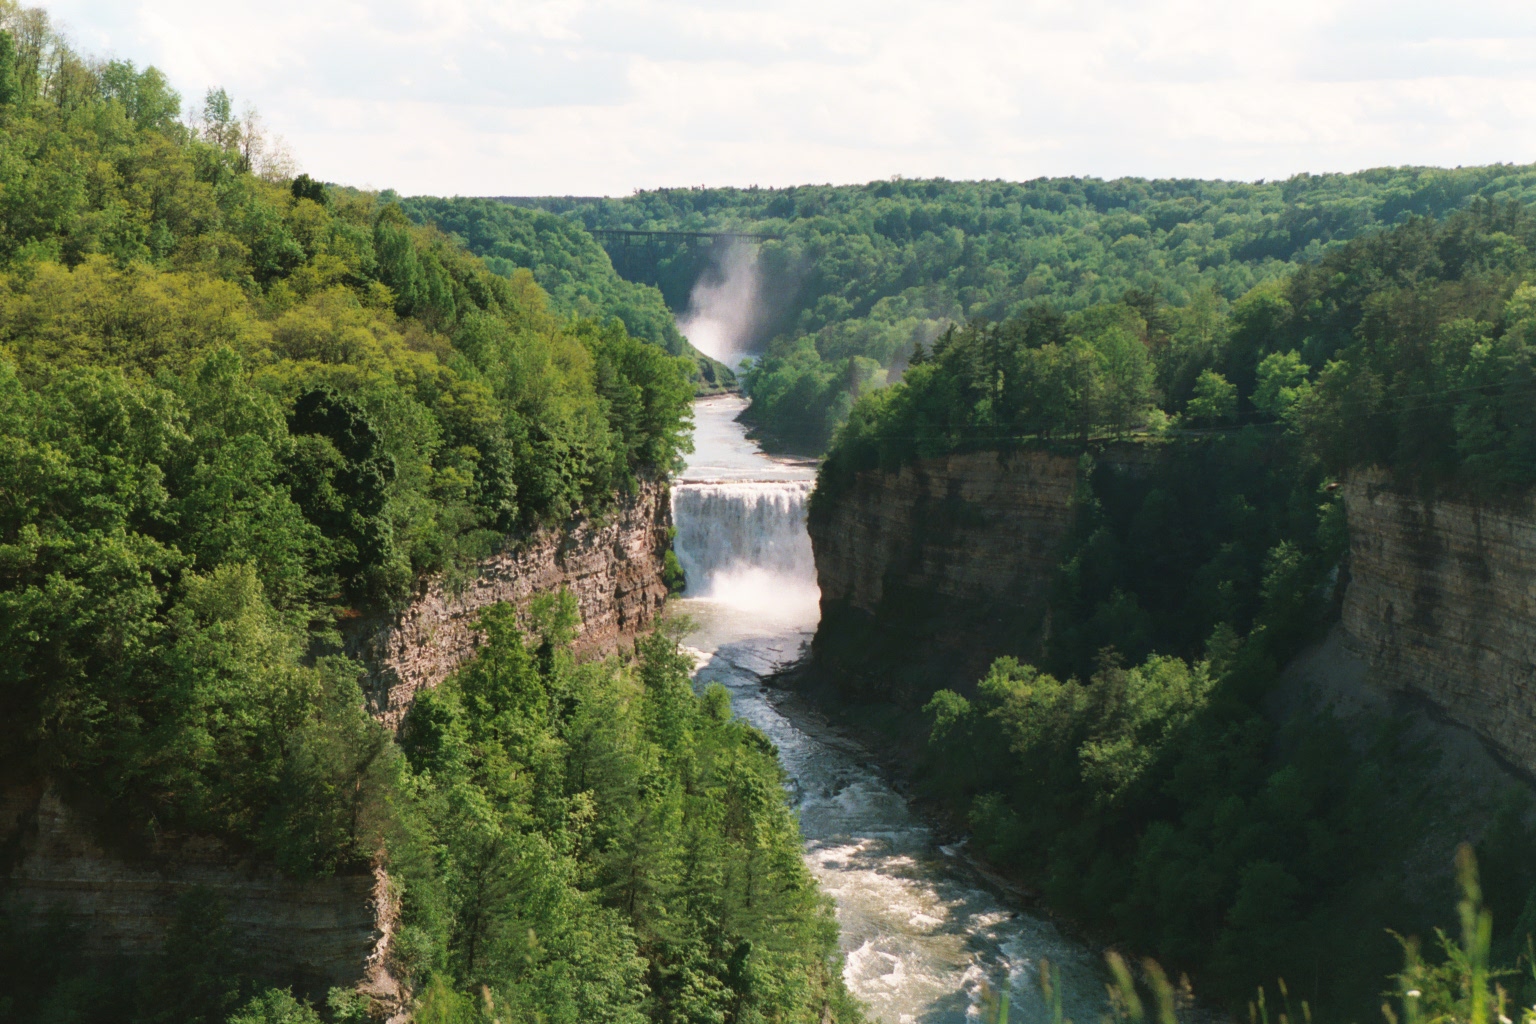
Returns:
(924, 935)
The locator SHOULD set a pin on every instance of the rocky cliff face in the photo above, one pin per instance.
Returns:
(333, 931)
(311, 935)
(947, 561)
(1442, 602)
(611, 564)
(971, 526)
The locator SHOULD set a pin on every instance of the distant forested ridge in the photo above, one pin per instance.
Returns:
(238, 408)
(866, 273)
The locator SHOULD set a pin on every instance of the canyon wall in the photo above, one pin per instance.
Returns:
(310, 935)
(333, 931)
(612, 564)
(943, 564)
(971, 526)
(1442, 604)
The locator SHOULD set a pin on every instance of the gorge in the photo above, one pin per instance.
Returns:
(926, 936)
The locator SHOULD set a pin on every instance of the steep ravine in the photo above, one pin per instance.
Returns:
(332, 931)
(930, 573)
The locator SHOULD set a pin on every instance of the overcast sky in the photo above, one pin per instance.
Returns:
(601, 97)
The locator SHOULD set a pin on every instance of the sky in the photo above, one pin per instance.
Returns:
(603, 97)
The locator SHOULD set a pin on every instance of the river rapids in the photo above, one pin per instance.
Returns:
(926, 938)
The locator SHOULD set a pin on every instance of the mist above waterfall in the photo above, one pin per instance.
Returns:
(725, 306)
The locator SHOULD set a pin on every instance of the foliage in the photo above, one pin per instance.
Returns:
(238, 408)
(873, 271)
(564, 259)
(1137, 769)
(232, 406)
(608, 846)
(567, 263)
(1409, 349)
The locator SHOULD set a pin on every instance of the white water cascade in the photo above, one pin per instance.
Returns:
(743, 544)
(925, 936)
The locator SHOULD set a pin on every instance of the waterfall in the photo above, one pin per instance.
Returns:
(925, 938)
(743, 544)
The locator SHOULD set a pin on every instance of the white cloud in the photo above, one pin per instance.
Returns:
(604, 96)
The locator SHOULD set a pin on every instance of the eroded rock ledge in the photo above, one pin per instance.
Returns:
(313, 935)
(611, 563)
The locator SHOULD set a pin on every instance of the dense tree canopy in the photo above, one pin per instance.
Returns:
(239, 408)
(1406, 349)
(1133, 758)
(567, 263)
(863, 274)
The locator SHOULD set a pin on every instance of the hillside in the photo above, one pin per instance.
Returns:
(569, 265)
(1356, 444)
(865, 273)
(240, 413)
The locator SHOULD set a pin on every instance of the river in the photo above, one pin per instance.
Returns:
(924, 935)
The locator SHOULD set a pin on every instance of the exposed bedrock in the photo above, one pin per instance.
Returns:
(1442, 603)
(611, 563)
(333, 931)
(945, 564)
(312, 935)
(930, 572)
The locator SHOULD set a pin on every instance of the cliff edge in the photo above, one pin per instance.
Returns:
(944, 564)
(611, 563)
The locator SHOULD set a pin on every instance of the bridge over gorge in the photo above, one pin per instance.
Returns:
(635, 252)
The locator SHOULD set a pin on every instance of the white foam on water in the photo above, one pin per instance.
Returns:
(925, 939)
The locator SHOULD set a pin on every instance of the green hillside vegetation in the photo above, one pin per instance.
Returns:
(866, 273)
(567, 263)
(238, 408)
(1129, 761)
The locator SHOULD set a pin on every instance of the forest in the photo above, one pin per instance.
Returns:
(240, 408)
(864, 274)
(568, 264)
(1130, 763)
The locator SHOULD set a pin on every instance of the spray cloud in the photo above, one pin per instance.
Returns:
(724, 307)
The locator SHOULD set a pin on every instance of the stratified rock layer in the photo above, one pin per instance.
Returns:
(314, 935)
(1442, 601)
(930, 572)
(976, 526)
(611, 564)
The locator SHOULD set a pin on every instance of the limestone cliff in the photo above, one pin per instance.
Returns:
(333, 931)
(1442, 602)
(612, 564)
(971, 526)
(947, 561)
